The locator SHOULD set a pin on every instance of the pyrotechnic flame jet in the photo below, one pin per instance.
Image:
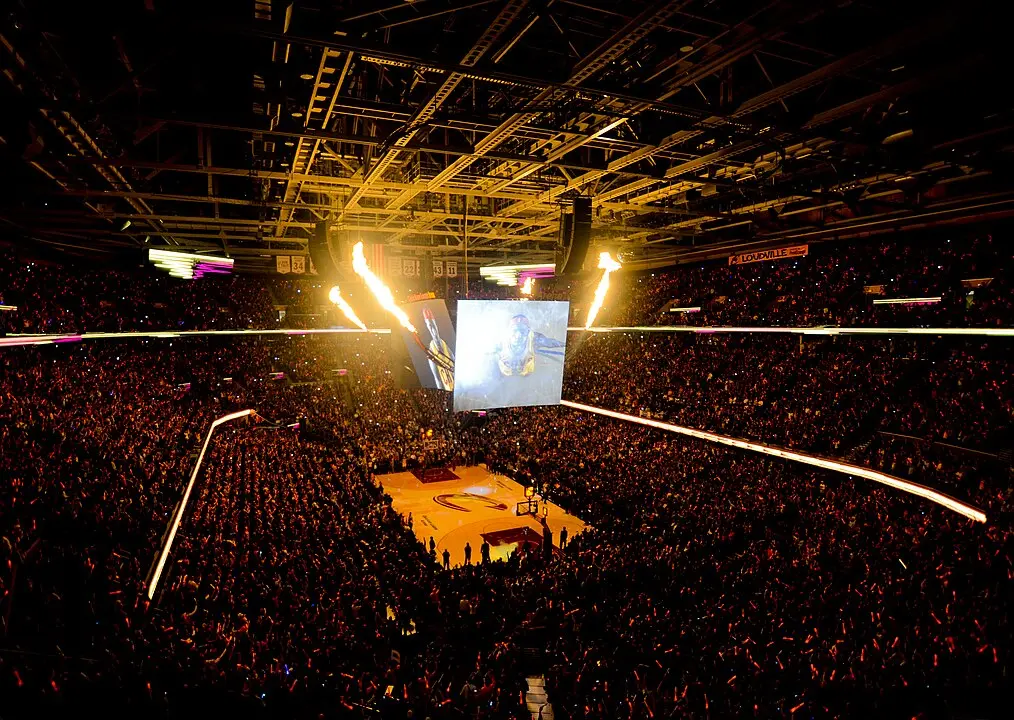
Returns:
(335, 296)
(386, 300)
(607, 264)
(378, 288)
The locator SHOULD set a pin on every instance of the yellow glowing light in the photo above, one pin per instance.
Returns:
(529, 287)
(335, 296)
(167, 548)
(969, 511)
(607, 264)
(377, 287)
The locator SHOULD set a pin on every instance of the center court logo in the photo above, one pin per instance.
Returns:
(447, 501)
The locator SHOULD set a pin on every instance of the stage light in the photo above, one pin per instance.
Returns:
(126, 224)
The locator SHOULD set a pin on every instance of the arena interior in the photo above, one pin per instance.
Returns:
(779, 480)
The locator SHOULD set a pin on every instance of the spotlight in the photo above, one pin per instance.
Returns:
(126, 224)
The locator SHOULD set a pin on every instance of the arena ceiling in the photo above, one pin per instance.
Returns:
(698, 127)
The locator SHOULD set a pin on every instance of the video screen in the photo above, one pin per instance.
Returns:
(509, 353)
(430, 350)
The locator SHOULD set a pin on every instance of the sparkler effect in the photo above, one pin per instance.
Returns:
(335, 296)
(378, 288)
(529, 287)
(607, 264)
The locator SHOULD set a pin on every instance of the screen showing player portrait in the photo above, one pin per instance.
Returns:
(509, 353)
(431, 347)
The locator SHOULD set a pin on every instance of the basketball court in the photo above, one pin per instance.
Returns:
(470, 505)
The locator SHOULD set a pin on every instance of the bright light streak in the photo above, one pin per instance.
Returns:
(922, 491)
(907, 301)
(188, 266)
(529, 287)
(377, 287)
(48, 339)
(8, 308)
(167, 548)
(705, 330)
(608, 265)
(510, 274)
(335, 296)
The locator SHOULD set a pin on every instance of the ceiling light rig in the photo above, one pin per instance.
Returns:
(189, 267)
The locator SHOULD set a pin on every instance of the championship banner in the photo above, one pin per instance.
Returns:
(283, 263)
(777, 254)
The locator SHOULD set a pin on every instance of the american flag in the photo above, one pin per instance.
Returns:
(375, 257)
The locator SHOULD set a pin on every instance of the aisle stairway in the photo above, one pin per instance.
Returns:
(536, 699)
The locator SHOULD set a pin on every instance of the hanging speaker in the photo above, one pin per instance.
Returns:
(321, 255)
(576, 249)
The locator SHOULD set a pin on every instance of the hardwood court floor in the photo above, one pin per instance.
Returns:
(476, 504)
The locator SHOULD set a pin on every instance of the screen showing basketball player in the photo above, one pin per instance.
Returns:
(430, 348)
(509, 353)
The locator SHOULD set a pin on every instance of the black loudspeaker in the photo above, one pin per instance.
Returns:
(576, 246)
(321, 255)
(566, 228)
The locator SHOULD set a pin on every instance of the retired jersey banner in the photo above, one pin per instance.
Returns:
(298, 264)
(283, 263)
(410, 267)
(777, 254)
(394, 266)
(451, 268)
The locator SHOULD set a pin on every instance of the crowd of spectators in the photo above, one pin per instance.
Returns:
(709, 582)
(720, 583)
(833, 285)
(884, 402)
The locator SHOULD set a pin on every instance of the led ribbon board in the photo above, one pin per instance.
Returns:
(189, 267)
(969, 511)
(511, 275)
(167, 548)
